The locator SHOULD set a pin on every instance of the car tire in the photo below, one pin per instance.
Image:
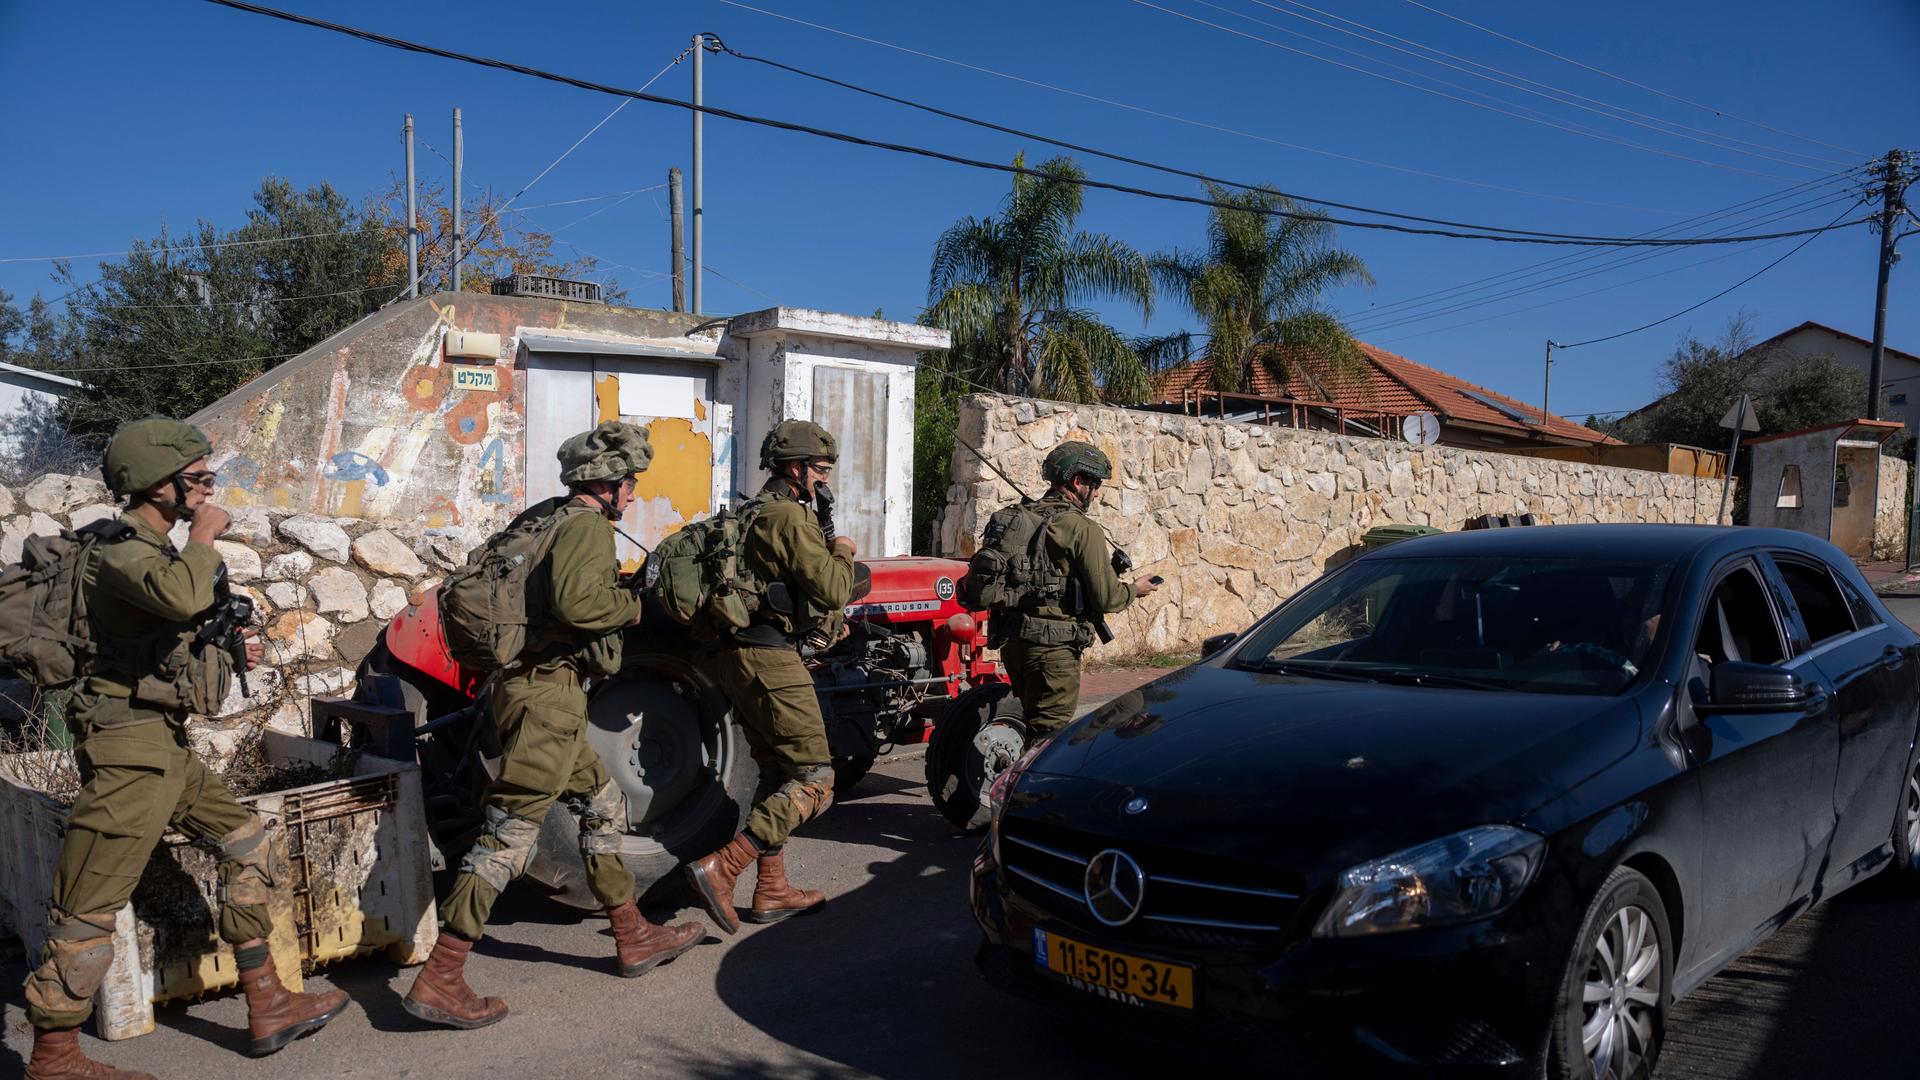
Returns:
(1619, 1034)
(1906, 823)
(957, 779)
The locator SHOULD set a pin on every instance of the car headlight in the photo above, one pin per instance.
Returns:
(1470, 875)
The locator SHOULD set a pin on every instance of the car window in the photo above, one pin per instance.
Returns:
(1738, 623)
(1822, 607)
(1578, 626)
(1863, 613)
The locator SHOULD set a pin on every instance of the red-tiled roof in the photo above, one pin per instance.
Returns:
(1884, 428)
(1395, 384)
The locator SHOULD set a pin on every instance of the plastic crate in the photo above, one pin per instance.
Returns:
(351, 877)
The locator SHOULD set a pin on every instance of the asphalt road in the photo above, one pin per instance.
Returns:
(881, 983)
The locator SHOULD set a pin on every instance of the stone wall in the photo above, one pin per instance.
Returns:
(324, 587)
(1236, 517)
(1890, 510)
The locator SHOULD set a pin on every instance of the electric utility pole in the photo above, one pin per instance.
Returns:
(679, 248)
(1547, 389)
(413, 234)
(699, 218)
(459, 154)
(1893, 187)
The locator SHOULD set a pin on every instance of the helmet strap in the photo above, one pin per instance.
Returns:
(178, 507)
(606, 508)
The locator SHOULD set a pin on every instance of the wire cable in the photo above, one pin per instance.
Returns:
(1791, 252)
(1556, 94)
(171, 246)
(1623, 79)
(1178, 119)
(1573, 240)
(1535, 119)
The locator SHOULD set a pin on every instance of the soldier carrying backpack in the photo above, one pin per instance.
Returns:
(136, 608)
(552, 580)
(1043, 570)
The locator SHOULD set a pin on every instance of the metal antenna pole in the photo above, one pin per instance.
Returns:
(413, 234)
(459, 155)
(677, 202)
(699, 98)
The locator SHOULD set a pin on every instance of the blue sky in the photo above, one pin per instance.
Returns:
(127, 112)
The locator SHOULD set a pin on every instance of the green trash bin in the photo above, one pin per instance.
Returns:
(1381, 535)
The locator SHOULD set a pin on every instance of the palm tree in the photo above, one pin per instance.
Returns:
(1257, 288)
(1014, 292)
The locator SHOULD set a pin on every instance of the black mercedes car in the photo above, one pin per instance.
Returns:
(1481, 803)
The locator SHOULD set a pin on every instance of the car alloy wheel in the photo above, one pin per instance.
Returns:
(1911, 808)
(1620, 1001)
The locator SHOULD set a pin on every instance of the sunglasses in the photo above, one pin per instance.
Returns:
(199, 479)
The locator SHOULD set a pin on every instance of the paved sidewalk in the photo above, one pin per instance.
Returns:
(1101, 686)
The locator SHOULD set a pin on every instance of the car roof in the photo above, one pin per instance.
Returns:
(1655, 543)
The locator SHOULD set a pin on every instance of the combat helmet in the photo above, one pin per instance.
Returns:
(1071, 459)
(612, 451)
(797, 440)
(145, 452)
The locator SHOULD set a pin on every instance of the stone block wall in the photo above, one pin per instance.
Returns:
(1236, 517)
(324, 587)
(1890, 510)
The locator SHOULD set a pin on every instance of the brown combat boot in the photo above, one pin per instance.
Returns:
(57, 1056)
(713, 879)
(773, 898)
(440, 995)
(276, 1015)
(640, 945)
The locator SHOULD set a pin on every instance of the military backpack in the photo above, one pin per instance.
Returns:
(44, 634)
(1011, 571)
(486, 605)
(698, 575)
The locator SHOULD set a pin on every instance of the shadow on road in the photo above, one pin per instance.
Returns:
(1829, 995)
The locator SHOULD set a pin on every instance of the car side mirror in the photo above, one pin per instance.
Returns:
(1756, 688)
(1215, 643)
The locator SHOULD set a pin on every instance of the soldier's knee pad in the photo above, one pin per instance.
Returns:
(603, 819)
(515, 838)
(78, 952)
(811, 792)
(248, 851)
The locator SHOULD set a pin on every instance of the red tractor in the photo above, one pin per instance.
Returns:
(665, 734)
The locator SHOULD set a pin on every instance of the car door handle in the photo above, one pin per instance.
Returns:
(1815, 703)
(1893, 658)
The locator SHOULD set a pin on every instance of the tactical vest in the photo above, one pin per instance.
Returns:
(1011, 570)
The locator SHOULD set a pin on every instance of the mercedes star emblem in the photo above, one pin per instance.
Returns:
(1136, 805)
(1115, 887)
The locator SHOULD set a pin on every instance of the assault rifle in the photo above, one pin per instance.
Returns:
(1076, 589)
(225, 626)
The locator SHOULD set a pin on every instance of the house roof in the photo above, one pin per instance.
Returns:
(1842, 334)
(1397, 385)
(1880, 430)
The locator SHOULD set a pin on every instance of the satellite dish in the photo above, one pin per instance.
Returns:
(1421, 428)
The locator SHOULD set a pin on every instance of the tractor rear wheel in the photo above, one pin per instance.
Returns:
(978, 737)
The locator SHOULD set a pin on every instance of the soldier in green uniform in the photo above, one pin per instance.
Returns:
(1042, 655)
(540, 712)
(138, 776)
(770, 688)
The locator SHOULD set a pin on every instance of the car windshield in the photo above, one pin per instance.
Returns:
(1566, 626)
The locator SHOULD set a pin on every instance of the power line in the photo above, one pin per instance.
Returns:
(1558, 95)
(1202, 124)
(1537, 118)
(1623, 79)
(1575, 240)
(1122, 158)
(171, 246)
(1626, 259)
(183, 364)
(240, 303)
(1695, 307)
(1474, 285)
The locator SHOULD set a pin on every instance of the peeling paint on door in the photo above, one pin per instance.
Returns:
(676, 488)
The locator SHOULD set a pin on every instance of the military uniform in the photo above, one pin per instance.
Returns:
(138, 776)
(1042, 657)
(577, 609)
(540, 712)
(770, 689)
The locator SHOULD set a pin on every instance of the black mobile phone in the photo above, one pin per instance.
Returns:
(1157, 580)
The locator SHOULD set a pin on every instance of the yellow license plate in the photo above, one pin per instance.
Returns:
(1122, 977)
